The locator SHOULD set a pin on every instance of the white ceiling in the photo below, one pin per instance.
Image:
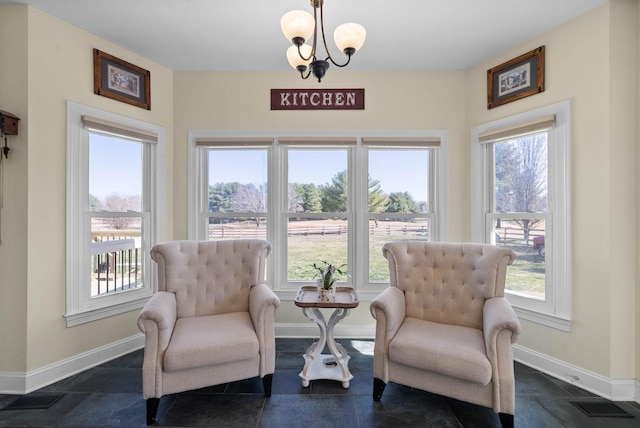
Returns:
(245, 34)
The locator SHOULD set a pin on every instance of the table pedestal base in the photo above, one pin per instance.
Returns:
(332, 366)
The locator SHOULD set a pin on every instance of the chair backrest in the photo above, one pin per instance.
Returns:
(210, 277)
(447, 282)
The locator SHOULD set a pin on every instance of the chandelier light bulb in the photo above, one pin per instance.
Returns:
(349, 35)
(297, 24)
(295, 59)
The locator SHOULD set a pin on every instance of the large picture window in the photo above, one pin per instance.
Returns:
(318, 198)
(402, 200)
(317, 213)
(115, 184)
(521, 188)
(237, 197)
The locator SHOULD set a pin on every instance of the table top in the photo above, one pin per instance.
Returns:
(345, 297)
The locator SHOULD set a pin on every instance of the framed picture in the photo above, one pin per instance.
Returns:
(519, 78)
(121, 80)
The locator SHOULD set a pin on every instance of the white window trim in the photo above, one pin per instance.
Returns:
(557, 312)
(81, 308)
(276, 276)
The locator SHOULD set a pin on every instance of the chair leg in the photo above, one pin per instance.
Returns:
(506, 420)
(267, 380)
(152, 409)
(378, 388)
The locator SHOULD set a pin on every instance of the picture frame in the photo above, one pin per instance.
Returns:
(120, 80)
(518, 78)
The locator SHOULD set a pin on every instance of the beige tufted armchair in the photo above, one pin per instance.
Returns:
(444, 325)
(212, 319)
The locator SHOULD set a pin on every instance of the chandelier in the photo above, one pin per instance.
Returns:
(298, 26)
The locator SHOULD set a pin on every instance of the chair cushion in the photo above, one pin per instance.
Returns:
(210, 340)
(450, 350)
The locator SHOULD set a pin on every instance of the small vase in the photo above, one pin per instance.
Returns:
(325, 295)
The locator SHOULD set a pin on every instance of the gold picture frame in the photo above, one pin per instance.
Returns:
(120, 80)
(518, 78)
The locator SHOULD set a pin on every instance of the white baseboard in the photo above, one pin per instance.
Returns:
(24, 383)
(611, 389)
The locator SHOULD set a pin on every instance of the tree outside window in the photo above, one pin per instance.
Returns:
(520, 196)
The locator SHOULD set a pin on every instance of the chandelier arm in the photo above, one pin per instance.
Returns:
(315, 30)
(310, 57)
(339, 65)
(324, 40)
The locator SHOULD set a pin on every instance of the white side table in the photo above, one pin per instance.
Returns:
(334, 366)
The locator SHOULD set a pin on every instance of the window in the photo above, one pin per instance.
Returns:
(402, 197)
(114, 182)
(318, 198)
(231, 188)
(520, 174)
(318, 217)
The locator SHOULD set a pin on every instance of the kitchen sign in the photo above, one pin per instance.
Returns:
(317, 99)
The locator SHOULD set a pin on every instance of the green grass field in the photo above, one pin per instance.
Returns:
(526, 275)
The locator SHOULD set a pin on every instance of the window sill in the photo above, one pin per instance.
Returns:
(549, 320)
(86, 316)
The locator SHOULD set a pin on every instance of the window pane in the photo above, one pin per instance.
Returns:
(382, 231)
(115, 174)
(237, 228)
(526, 238)
(115, 186)
(399, 180)
(237, 181)
(317, 180)
(521, 184)
(116, 255)
(521, 174)
(314, 241)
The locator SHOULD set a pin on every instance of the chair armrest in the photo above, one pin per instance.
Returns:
(157, 321)
(389, 310)
(159, 316)
(263, 304)
(261, 299)
(498, 315)
(501, 328)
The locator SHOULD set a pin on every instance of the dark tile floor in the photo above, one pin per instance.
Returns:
(110, 396)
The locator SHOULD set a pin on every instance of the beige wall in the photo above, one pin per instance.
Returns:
(637, 157)
(57, 62)
(588, 62)
(13, 216)
(623, 113)
(394, 100)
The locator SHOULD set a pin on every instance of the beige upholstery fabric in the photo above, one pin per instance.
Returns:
(210, 277)
(448, 349)
(212, 320)
(201, 342)
(444, 325)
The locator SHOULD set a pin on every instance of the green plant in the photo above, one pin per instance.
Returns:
(327, 273)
